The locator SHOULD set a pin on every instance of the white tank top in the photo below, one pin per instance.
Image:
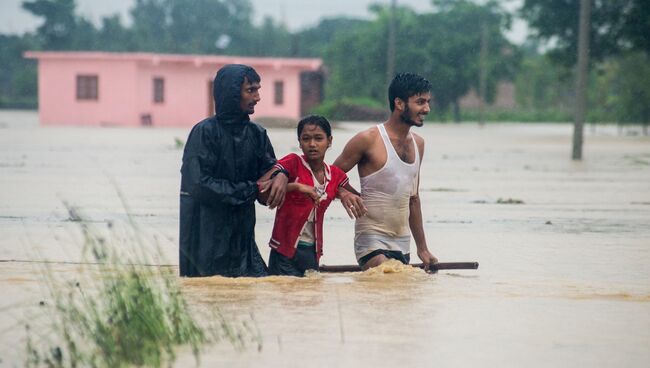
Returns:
(386, 194)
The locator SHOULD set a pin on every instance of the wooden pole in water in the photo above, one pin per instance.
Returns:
(432, 268)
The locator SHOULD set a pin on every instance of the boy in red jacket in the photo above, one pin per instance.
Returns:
(297, 239)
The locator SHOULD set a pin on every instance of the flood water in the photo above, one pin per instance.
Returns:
(563, 281)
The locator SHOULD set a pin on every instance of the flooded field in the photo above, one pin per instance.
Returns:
(563, 247)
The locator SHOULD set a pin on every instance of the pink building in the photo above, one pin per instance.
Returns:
(131, 89)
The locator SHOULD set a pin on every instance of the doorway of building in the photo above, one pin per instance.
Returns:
(311, 91)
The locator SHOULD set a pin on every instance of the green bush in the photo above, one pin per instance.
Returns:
(519, 115)
(120, 310)
(352, 109)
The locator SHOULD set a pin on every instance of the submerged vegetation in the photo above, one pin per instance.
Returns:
(179, 144)
(509, 201)
(121, 309)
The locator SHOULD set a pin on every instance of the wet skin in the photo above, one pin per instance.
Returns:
(314, 142)
(250, 96)
(274, 189)
(416, 109)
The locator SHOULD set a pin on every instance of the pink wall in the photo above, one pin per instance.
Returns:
(126, 87)
(186, 99)
(291, 81)
(57, 93)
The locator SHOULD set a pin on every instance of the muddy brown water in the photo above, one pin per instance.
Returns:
(563, 279)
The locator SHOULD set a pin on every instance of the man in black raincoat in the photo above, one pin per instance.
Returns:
(224, 157)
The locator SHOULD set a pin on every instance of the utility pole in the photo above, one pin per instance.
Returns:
(581, 78)
(482, 81)
(390, 53)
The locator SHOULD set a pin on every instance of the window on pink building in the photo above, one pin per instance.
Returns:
(279, 93)
(87, 87)
(158, 90)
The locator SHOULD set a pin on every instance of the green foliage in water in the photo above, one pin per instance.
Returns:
(179, 143)
(121, 310)
(509, 201)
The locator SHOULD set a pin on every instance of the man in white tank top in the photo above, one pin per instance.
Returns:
(388, 158)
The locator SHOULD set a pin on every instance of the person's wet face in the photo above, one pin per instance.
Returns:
(314, 142)
(250, 96)
(416, 109)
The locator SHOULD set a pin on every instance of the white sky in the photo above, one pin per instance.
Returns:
(296, 14)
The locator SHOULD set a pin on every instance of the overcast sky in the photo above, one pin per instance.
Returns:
(297, 14)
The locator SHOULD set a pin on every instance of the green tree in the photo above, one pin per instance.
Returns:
(208, 26)
(442, 46)
(456, 52)
(314, 41)
(113, 36)
(17, 75)
(150, 30)
(541, 84)
(612, 29)
(633, 89)
(197, 27)
(357, 60)
(270, 39)
(616, 26)
(621, 90)
(61, 28)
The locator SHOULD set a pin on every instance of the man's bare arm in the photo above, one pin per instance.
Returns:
(417, 229)
(353, 152)
(351, 189)
(415, 217)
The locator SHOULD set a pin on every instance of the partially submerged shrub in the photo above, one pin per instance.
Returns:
(348, 109)
(121, 310)
(178, 143)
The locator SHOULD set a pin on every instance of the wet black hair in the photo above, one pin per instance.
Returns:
(405, 85)
(315, 120)
(226, 90)
(251, 74)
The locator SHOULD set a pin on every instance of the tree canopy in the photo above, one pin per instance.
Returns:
(443, 46)
(616, 27)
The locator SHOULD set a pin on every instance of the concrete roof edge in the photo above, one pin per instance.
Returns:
(310, 63)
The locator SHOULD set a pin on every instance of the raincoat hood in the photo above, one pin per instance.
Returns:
(227, 92)
(224, 156)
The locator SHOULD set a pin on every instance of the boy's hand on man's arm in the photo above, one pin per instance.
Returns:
(352, 203)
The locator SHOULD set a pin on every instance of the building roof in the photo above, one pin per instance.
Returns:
(196, 60)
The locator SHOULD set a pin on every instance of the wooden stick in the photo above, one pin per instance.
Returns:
(432, 268)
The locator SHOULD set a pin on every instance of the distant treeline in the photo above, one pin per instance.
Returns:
(449, 45)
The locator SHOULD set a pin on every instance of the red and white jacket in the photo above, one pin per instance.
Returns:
(291, 218)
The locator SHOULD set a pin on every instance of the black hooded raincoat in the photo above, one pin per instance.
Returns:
(223, 158)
